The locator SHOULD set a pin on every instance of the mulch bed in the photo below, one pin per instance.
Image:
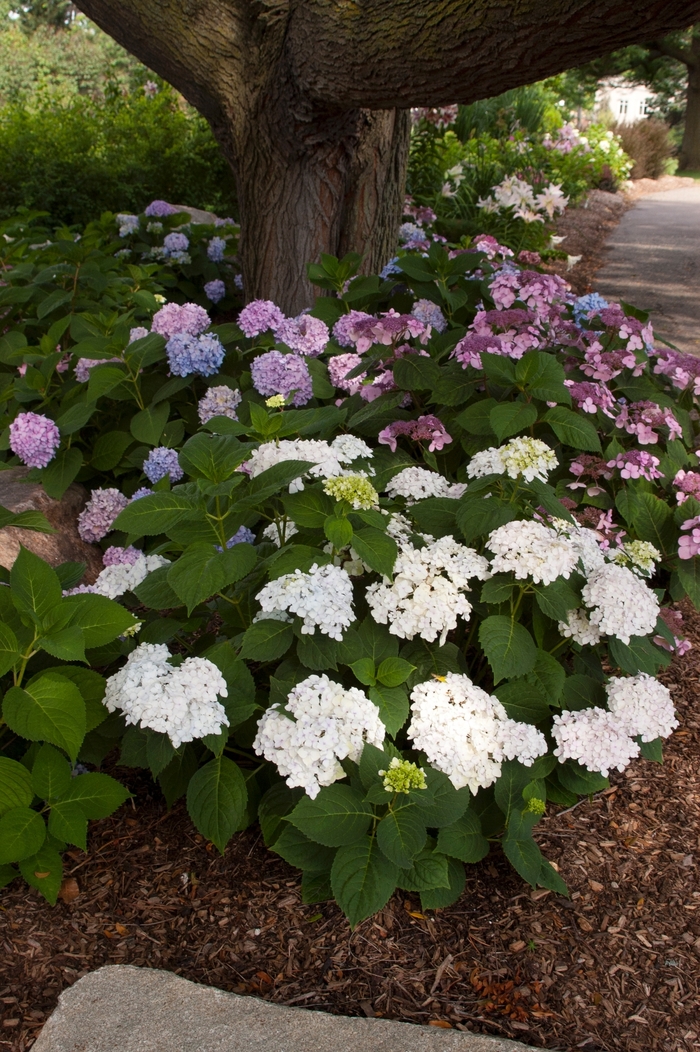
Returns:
(585, 230)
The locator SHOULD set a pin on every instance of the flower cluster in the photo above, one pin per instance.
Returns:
(426, 428)
(466, 733)
(188, 319)
(330, 723)
(418, 483)
(180, 702)
(686, 484)
(642, 418)
(637, 464)
(285, 374)
(689, 543)
(322, 598)
(339, 367)
(328, 458)
(304, 334)
(357, 490)
(120, 576)
(215, 290)
(621, 604)
(403, 776)
(216, 249)
(34, 439)
(160, 462)
(160, 208)
(219, 401)
(531, 551)
(426, 595)
(202, 355)
(527, 457)
(260, 316)
(96, 518)
(519, 195)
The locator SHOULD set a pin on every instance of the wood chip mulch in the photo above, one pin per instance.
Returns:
(585, 230)
(615, 967)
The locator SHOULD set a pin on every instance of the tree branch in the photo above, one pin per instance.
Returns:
(680, 54)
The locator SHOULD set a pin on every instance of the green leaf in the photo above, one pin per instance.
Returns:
(7, 875)
(548, 675)
(416, 373)
(155, 592)
(44, 871)
(100, 619)
(197, 575)
(439, 897)
(509, 787)
(337, 816)
(362, 879)
(689, 577)
(63, 469)
(509, 647)
(476, 418)
(309, 508)
(175, 778)
(266, 640)
(216, 800)
(51, 774)
(318, 651)
(653, 521)
(103, 378)
(98, 794)
(159, 752)
(297, 557)
(50, 709)
(147, 426)
(573, 430)
(579, 779)
(369, 640)
(134, 748)
(428, 871)
(67, 822)
(36, 589)
(447, 804)
(75, 418)
(464, 839)
(652, 750)
(376, 549)
(212, 457)
(639, 655)
(523, 702)
(275, 805)
(542, 376)
(499, 370)
(109, 450)
(498, 589)
(435, 515)
(272, 481)
(364, 671)
(524, 856)
(240, 701)
(510, 418)
(53, 301)
(9, 649)
(67, 644)
(338, 531)
(299, 851)
(549, 878)
(15, 785)
(22, 832)
(478, 515)
(582, 692)
(393, 671)
(156, 513)
(555, 600)
(392, 703)
(401, 834)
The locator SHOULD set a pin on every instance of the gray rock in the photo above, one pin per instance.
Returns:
(197, 215)
(124, 1009)
(63, 546)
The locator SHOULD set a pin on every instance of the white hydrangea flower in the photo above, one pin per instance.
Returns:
(114, 581)
(466, 733)
(586, 543)
(527, 457)
(322, 597)
(349, 447)
(280, 532)
(400, 528)
(595, 738)
(328, 459)
(180, 702)
(331, 722)
(418, 483)
(621, 605)
(640, 556)
(532, 551)
(642, 705)
(579, 628)
(426, 596)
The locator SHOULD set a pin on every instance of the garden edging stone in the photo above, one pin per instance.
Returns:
(125, 1009)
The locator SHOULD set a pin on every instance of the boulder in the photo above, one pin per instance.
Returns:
(16, 494)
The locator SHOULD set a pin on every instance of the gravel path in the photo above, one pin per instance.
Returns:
(652, 260)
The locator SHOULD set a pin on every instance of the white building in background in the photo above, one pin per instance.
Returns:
(626, 102)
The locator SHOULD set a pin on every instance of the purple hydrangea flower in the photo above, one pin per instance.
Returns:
(215, 290)
(160, 208)
(160, 462)
(189, 318)
(34, 439)
(96, 518)
(189, 354)
(84, 365)
(216, 249)
(430, 314)
(242, 536)
(176, 242)
(121, 556)
(225, 222)
(144, 491)
(304, 334)
(137, 333)
(276, 373)
(238, 282)
(259, 316)
(344, 328)
(219, 401)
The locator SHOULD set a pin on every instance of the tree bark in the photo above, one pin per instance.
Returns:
(690, 147)
(309, 98)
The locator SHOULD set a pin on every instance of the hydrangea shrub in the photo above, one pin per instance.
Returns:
(390, 577)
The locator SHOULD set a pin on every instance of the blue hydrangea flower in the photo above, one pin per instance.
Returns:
(176, 242)
(143, 491)
(242, 536)
(215, 249)
(584, 304)
(160, 462)
(390, 269)
(215, 290)
(194, 354)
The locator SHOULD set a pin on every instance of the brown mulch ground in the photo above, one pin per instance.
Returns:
(616, 967)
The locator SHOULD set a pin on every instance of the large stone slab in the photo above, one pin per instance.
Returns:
(124, 1009)
(63, 546)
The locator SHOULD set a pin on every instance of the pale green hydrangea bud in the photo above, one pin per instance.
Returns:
(355, 489)
(275, 402)
(535, 807)
(403, 776)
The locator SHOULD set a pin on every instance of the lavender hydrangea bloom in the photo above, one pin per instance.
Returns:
(121, 556)
(242, 536)
(34, 439)
(259, 316)
(345, 325)
(219, 401)
(188, 354)
(160, 462)
(216, 249)
(137, 333)
(215, 290)
(84, 365)
(160, 208)
(189, 318)
(176, 242)
(276, 373)
(225, 222)
(96, 518)
(430, 314)
(304, 334)
(144, 491)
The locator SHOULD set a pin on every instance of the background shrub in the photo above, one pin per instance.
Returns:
(648, 143)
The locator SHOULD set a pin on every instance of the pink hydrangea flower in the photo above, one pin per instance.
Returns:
(636, 464)
(174, 318)
(687, 484)
(259, 316)
(96, 518)
(121, 556)
(590, 397)
(344, 328)
(426, 428)
(304, 334)
(640, 419)
(276, 373)
(34, 439)
(689, 543)
(338, 368)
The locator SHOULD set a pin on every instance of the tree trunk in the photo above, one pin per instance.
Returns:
(690, 147)
(315, 184)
